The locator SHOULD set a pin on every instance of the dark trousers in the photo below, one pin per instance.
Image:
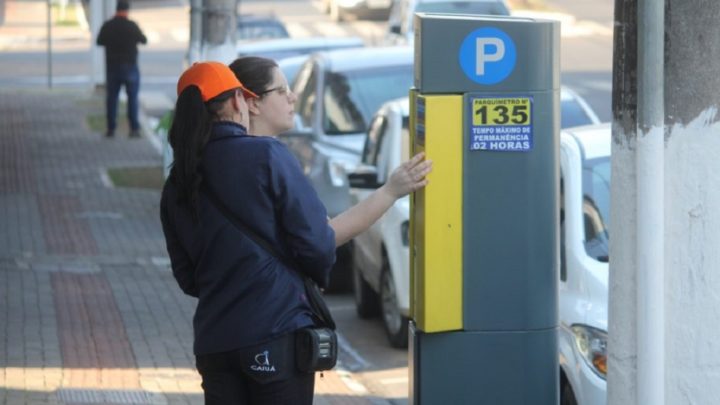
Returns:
(231, 378)
(127, 75)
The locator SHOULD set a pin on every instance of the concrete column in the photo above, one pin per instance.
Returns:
(97, 54)
(692, 207)
(218, 26)
(690, 176)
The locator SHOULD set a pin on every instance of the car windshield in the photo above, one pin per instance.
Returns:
(261, 29)
(596, 207)
(350, 98)
(572, 114)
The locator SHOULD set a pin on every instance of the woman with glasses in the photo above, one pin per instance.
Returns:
(273, 113)
(250, 303)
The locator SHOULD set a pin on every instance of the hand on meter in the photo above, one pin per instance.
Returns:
(409, 176)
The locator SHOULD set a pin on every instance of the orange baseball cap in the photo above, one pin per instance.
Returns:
(213, 79)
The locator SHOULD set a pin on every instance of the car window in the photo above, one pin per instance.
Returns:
(350, 98)
(290, 69)
(305, 85)
(572, 114)
(261, 29)
(596, 207)
(372, 143)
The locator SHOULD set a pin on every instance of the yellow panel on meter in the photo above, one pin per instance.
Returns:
(436, 214)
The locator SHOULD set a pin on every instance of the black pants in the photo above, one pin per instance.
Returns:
(261, 375)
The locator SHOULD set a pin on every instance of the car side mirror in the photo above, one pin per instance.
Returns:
(365, 177)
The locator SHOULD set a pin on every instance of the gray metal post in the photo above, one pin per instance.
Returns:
(650, 196)
(49, 44)
(196, 20)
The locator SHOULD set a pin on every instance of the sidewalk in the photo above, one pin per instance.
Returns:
(89, 310)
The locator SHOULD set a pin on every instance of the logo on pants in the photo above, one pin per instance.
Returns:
(262, 361)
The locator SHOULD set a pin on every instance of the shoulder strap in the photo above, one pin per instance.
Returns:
(259, 240)
(315, 299)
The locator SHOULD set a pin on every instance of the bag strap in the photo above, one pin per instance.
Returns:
(259, 240)
(312, 291)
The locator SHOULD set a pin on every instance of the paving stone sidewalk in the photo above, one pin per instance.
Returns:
(89, 311)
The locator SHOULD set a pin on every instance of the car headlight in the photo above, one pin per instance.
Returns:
(592, 345)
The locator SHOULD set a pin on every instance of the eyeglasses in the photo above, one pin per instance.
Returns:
(282, 90)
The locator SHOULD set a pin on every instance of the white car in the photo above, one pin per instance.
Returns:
(381, 258)
(584, 221)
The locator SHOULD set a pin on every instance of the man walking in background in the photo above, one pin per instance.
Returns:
(120, 37)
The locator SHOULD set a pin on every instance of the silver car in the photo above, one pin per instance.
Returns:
(338, 92)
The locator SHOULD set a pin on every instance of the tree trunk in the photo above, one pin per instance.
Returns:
(218, 26)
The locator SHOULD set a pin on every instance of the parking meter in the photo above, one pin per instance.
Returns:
(484, 232)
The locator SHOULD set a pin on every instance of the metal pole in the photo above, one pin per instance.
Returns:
(49, 43)
(650, 204)
(196, 30)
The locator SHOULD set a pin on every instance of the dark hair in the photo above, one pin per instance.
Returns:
(188, 135)
(122, 5)
(254, 72)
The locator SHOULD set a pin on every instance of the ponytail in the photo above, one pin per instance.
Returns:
(189, 134)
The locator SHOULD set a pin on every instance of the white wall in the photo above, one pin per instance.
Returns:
(692, 266)
(692, 259)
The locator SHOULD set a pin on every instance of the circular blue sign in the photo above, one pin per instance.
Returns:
(487, 56)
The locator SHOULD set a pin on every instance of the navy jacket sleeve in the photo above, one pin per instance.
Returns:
(302, 216)
(182, 266)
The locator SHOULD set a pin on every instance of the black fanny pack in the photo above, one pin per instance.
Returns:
(315, 349)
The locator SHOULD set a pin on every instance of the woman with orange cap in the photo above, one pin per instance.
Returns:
(250, 303)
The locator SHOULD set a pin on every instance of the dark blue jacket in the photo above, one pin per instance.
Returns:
(245, 295)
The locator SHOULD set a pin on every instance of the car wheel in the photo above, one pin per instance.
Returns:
(396, 325)
(366, 300)
(567, 397)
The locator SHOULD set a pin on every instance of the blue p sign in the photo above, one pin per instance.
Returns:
(487, 56)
